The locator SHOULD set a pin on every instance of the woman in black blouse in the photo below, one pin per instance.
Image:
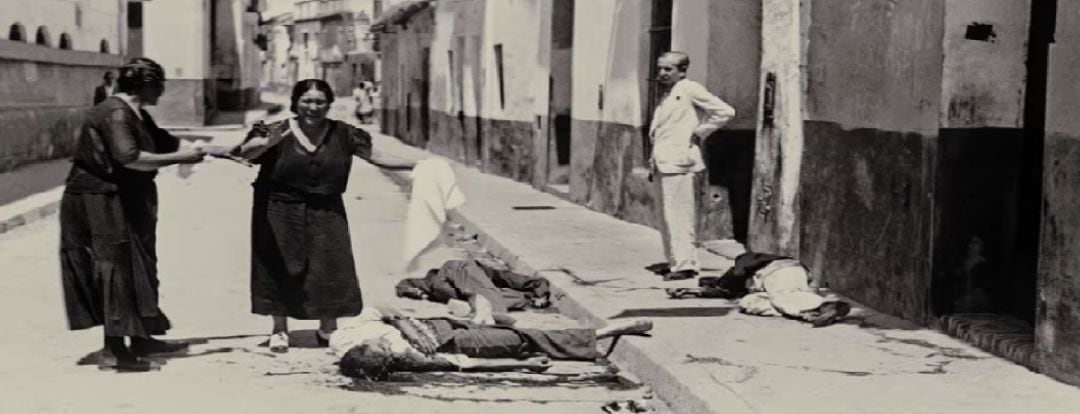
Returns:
(302, 261)
(108, 219)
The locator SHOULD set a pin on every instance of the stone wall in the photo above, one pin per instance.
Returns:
(44, 93)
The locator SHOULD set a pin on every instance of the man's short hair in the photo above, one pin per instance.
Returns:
(682, 60)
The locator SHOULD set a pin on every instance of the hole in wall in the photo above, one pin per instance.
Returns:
(981, 32)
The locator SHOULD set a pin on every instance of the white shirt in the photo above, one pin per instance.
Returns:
(688, 110)
(368, 326)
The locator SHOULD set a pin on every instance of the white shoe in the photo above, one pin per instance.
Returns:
(279, 342)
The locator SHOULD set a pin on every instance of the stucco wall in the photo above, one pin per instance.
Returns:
(187, 100)
(1058, 333)
(874, 87)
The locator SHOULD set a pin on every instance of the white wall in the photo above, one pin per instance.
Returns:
(176, 35)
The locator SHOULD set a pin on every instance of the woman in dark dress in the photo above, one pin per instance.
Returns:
(108, 218)
(302, 263)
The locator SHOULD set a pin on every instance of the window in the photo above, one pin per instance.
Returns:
(104, 47)
(42, 37)
(499, 74)
(135, 15)
(65, 41)
(17, 33)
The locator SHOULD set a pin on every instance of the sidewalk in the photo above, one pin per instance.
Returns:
(707, 357)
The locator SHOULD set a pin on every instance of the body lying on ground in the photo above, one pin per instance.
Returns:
(459, 279)
(770, 285)
(380, 342)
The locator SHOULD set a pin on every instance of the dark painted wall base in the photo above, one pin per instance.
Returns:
(978, 265)
(865, 212)
(1058, 306)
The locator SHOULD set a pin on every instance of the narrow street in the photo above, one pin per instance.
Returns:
(204, 256)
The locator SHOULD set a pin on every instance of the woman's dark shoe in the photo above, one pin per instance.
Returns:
(830, 313)
(323, 339)
(143, 347)
(124, 361)
(680, 275)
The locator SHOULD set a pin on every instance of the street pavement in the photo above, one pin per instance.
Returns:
(707, 357)
(704, 355)
(204, 265)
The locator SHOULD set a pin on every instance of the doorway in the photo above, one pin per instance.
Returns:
(561, 96)
(989, 200)
(659, 43)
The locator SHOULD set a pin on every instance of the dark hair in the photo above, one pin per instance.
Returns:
(306, 85)
(368, 362)
(108, 74)
(137, 73)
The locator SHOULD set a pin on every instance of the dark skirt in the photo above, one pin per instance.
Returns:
(301, 258)
(109, 262)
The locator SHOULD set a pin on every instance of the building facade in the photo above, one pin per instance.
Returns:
(211, 74)
(916, 155)
(52, 55)
(332, 41)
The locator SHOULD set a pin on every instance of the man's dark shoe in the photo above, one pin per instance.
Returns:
(680, 275)
(142, 347)
(661, 268)
(830, 313)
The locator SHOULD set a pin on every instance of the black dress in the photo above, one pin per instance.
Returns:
(302, 263)
(108, 220)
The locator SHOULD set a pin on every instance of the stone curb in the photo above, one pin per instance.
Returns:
(35, 214)
(626, 355)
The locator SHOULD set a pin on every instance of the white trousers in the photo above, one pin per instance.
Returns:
(787, 291)
(678, 216)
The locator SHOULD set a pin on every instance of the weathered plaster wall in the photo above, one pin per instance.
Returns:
(874, 87)
(1058, 331)
(979, 159)
(610, 69)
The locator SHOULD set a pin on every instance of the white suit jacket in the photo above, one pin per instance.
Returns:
(688, 110)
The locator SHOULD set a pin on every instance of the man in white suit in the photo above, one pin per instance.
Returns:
(686, 115)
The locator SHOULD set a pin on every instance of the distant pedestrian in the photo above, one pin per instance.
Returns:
(105, 89)
(302, 258)
(686, 115)
(108, 220)
(364, 102)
